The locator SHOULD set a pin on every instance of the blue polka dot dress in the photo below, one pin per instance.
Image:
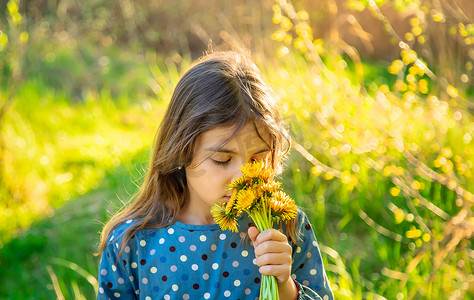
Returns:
(200, 262)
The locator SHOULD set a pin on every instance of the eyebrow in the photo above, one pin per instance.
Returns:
(223, 150)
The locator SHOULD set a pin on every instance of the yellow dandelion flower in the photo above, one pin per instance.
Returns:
(270, 187)
(253, 170)
(226, 221)
(283, 205)
(266, 173)
(239, 183)
(230, 204)
(245, 199)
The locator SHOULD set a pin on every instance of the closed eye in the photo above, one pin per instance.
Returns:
(220, 163)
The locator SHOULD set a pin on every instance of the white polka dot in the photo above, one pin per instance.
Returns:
(153, 270)
(207, 296)
(114, 268)
(166, 297)
(213, 247)
(171, 231)
(326, 297)
(145, 280)
(222, 236)
(293, 276)
(134, 265)
(305, 282)
(111, 238)
(235, 264)
(116, 245)
(192, 248)
(130, 277)
(161, 241)
(237, 283)
(181, 239)
(143, 243)
(127, 249)
(254, 261)
(186, 297)
(103, 272)
(194, 267)
(215, 266)
(117, 295)
(137, 292)
(152, 252)
(175, 287)
(205, 276)
(308, 255)
(101, 290)
(313, 272)
(315, 244)
(245, 253)
(183, 258)
(203, 238)
(173, 268)
(147, 298)
(248, 291)
(227, 293)
(120, 280)
(129, 221)
(298, 250)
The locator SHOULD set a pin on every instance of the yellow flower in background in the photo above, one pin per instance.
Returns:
(395, 191)
(413, 233)
(396, 67)
(399, 216)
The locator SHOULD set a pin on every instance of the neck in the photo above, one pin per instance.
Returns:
(195, 215)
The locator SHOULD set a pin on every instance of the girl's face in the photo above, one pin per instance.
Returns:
(215, 165)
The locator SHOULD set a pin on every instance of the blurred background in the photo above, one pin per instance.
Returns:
(378, 96)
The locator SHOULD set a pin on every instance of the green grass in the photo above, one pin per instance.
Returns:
(70, 235)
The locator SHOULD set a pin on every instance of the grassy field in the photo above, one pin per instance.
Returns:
(381, 161)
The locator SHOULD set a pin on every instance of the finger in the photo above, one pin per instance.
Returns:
(271, 235)
(281, 272)
(273, 247)
(274, 259)
(253, 233)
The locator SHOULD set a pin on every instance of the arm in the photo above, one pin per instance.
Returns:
(308, 269)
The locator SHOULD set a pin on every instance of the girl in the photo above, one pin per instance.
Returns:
(166, 245)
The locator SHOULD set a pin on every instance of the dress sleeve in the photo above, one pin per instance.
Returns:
(307, 269)
(115, 280)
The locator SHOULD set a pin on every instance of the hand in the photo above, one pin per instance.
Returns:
(272, 253)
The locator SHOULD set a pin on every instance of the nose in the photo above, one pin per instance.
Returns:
(236, 172)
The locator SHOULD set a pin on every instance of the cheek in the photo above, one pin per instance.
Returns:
(207, 175)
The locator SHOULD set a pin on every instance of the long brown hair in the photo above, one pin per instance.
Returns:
(221, 89)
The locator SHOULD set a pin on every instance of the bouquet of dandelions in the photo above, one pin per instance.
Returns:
(260, 196)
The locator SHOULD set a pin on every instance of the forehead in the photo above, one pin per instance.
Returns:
(245, 140)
